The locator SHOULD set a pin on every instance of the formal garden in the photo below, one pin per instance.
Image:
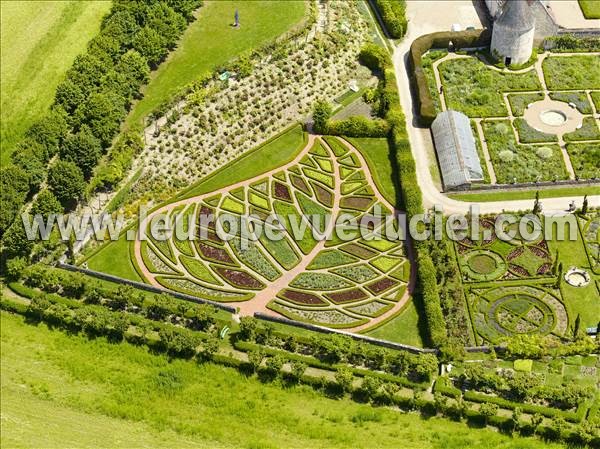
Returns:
(338, 282)
(523, 286)
(513, 112)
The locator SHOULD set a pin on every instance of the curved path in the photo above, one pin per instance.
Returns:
(420, 138)
(263, 297)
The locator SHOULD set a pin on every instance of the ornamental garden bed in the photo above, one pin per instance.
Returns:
(342, 283)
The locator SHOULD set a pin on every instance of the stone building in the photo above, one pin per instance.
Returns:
(513, 32)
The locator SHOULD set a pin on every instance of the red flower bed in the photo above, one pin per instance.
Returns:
(463, 249)
(281, 191)
(214, 254)
(358, 251)
(545, 269)
(544, 245)
(324, 196)
(538, 252)
(206, 213)
(302, 298)
(239, 279)
(517, 269)
(300, 184)
(354, 294)
(515, 253)
(381, 285)
(356, 202)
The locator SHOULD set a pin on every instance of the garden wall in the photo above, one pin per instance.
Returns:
(326, 330)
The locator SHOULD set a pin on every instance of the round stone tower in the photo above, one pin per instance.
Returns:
(513, 32)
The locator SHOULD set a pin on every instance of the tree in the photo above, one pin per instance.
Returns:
(102, 113)
(248, 327)
(321, 114)
(298, 369)
(15, 240)
(150, 44)
(516, 418)
(65, 180)
(344, 378)
(559, 276)
(374, 57)
(275, 363)
(82, 149)
(15, 266)
(202, 317)
(50, 131)
(584, 207)
(46, 204)
(255, 359)
(487, 410)
(14, 186)
(536, 420)
(579, 330)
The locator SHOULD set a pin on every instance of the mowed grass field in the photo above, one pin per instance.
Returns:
(61, 390)
(39, 41)
(211, 41)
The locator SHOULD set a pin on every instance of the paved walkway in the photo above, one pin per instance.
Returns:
(422, 22)
(567, 13)
(263, 297)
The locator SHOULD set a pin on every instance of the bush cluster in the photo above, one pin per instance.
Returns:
(90, 104)
(393, 14)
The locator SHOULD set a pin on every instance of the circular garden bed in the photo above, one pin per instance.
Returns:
(484, 265)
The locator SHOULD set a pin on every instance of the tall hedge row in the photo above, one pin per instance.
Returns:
(413, 204)
(393, 14)
(92, 101)
(460, 39)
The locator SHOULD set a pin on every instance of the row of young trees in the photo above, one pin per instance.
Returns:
(124, 298)
(64, 147)
(333, 349)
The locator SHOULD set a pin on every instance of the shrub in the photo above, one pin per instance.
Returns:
(374, 57)
(321, 114)
(65, 180)
(393, 14)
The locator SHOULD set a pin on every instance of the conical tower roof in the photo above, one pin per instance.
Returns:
(516, 15)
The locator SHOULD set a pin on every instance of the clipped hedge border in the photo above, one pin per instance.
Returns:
(461, 39)
(574, 417)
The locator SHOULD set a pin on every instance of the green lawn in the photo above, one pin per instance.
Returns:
(377, 153)
(40, 39)
(527, 194)
(584, 300)
(404, 328)
(210, 41)
(590, 8)
(61, 390)
(114, 259)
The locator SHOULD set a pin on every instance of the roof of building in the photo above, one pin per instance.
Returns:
(456, 150)
(516, 15)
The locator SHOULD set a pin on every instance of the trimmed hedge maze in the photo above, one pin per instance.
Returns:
(331, 281)
(499, 312)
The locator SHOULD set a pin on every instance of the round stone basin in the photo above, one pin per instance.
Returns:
(553, 118)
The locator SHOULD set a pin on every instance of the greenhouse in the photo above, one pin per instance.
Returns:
(456, 150)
